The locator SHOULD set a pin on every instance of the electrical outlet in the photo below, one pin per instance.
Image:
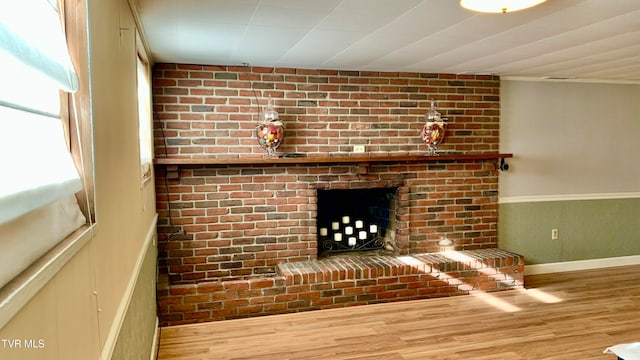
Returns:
(358, 148)
(554, 234)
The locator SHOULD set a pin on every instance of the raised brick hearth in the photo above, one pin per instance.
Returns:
(343, 281)
(228, 233)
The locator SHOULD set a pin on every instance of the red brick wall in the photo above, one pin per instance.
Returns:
(240, 222)
(213, 110)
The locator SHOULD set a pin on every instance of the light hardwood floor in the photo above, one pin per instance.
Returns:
(559, 316)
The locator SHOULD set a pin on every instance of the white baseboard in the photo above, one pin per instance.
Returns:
(566, 266)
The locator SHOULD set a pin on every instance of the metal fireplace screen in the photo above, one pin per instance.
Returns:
(354, 219)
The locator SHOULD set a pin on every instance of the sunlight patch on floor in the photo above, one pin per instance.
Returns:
(541, 296)
(495, 302)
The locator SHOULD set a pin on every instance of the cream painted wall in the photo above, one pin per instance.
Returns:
(569, 138)
(79, 312)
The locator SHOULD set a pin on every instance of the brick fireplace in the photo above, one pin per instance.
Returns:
(242, 238)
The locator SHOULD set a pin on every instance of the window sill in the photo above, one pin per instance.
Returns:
(20, 290)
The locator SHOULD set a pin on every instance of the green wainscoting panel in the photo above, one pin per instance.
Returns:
(136, 337)
(588, 229)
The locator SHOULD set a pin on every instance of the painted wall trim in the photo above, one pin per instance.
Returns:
(133, 6)
(592, 81)
(156, 341)
(590, 264)
(121, 312)
(567, 197)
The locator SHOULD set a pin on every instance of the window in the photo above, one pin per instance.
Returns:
(44, 118)
(144, 113)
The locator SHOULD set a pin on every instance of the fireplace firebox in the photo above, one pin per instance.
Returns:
(352, 220)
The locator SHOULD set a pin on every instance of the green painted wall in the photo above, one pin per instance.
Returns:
(588, 229)
(135, 340)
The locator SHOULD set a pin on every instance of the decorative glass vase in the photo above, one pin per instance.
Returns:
(433, 131)
(270, 130)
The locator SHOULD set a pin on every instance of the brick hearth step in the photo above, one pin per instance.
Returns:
(473, 268)
(341, 281)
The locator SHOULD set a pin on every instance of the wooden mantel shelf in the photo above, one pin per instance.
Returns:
(353, 159)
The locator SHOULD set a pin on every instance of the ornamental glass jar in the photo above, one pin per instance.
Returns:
(433, 131)
(270, 130)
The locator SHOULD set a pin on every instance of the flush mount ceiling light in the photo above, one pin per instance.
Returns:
(499, 6)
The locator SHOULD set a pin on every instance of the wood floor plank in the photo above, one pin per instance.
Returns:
(558, 316)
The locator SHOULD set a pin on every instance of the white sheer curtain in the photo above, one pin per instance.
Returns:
(39, 178)
(30, 30)
(35, 65)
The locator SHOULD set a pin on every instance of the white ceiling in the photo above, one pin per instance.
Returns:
(584, 39)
